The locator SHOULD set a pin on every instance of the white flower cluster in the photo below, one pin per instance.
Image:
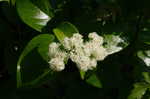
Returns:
(84, 54)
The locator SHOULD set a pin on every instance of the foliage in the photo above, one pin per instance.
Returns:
(27, 28)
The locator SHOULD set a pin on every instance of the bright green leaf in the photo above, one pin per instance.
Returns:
(32, 15)
(82, 74)
(59, 34)
(65, 29)
(146, 77)
(94, 81)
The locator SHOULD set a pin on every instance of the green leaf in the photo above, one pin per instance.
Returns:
(146, 77)
(32, 15)
(145, 56)
(114, 43)
(43, 50)
(38, 79)
(36, 42)
(138, 91)
(67, 28)
(94, 81)
(4, 0)
(46, 6)
(82, 74)
(59, 34)
(64, 29)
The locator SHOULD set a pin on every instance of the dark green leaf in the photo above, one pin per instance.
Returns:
(38, 41)
(144, 36)
(38, 80)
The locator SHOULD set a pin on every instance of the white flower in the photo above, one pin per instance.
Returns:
(95, 50)
(57, 57)
(75, 41)
(66, 43)
(76, 55)
(93, 64)
(83, 63)
(61, 54)
(55, 52)
(57, 64)
(96, 38)
(53, 49)
(99, 53)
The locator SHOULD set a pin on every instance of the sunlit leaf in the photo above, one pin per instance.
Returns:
(44, 6)
(65, 29)
(59, 34)
(114, 43)
(32, 15)
(145, 56)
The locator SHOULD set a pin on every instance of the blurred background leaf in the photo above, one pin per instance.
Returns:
(138, 91)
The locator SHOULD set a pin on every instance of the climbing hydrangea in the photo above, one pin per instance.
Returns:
(84, 54)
